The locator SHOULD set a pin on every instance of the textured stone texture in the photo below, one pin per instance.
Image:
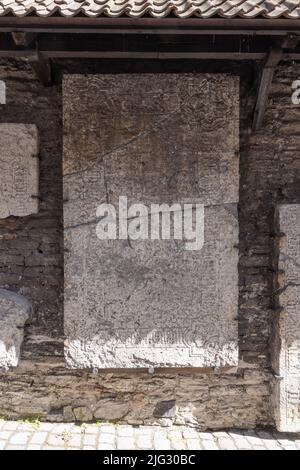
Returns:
(151, 303)
(14, 312)
(2, 92)
(181, 138)
(107, 436)
(31, 247)
(286, 354)
(31, 261)
(19, 180)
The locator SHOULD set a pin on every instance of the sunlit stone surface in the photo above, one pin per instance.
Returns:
(19, 170)
(286, 346)
(154, 139)
(14, 312)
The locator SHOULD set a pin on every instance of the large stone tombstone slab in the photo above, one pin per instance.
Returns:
(19, 176)
(154, 139)
(286, 345)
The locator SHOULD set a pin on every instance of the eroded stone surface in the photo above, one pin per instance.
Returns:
(150, 137)
(286, 359)
(14, 312)
(154, 139)
(152, 302)
(219, 401)
(19, 180)
(2, 92)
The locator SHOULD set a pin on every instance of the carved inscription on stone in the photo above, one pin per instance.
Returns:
(19, 165)
(154, 139)
(286, 345)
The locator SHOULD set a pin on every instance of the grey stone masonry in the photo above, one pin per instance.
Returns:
(286, 345)
(14, 312)
(19, 176)
(31, 262)
(132, 303)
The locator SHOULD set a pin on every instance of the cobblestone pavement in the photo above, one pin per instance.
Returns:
(16, 435)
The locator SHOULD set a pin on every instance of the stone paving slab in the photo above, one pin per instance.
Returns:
(17, 435)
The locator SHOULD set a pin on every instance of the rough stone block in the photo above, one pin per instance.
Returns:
(286, 340)
(19, 176)
(14, 312)
(154, 139)
(112, 410)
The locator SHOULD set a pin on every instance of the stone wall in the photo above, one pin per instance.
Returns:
(31, 263)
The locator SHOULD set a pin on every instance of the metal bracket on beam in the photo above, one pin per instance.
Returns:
(289, 42)
(39, 63)
(23, 39)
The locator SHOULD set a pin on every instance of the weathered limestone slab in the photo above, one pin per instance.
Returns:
(154, 139)
(286, 344)
(19, 176)
(2, 92)
(152, 303)
(14, 312)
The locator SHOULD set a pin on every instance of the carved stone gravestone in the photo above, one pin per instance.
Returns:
(2, 92)
(286, 344)
(14, 312)
(19, 175)
(153, 139)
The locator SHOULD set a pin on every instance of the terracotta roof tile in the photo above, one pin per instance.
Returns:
(155, 8)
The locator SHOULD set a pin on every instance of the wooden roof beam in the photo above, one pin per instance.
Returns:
(275, 55)
(23, 39)
(41, 65)
(104, 25)
(273, 59)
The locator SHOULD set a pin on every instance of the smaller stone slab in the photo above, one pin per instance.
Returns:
(14, 312)
(286, 340)
(2, 92)
(19, 176)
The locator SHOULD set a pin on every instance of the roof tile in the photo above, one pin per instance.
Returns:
(155, 8)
